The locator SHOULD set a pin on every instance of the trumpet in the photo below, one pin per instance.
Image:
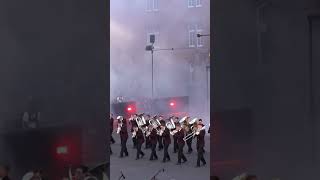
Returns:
(195, 131)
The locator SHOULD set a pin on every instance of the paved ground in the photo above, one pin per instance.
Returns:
(144, 169)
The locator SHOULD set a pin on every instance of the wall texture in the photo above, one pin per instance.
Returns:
(56, 53)
(262, 62)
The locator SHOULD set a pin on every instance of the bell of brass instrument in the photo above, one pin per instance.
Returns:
(120, 123)
(140, 121)
(183, 120)
(193, 121)
(170, 125)
(155, 123)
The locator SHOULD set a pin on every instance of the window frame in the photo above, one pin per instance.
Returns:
(198, 3)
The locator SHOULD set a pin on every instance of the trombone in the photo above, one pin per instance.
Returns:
(195, 131)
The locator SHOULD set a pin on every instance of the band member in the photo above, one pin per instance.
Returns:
(122, 125)
(160, 144)
(4, 172)
(140, 140)
(152, 134)
(111, 128)
(200, 134)
(165, 133)
(189, 141)
(148, 145)
(180, 135)
(133, 123)
(175, 141)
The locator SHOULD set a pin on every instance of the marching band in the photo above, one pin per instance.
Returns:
(156, 130)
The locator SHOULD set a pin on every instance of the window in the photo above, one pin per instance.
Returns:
(192, 35)
(194, 3)
(194, 40)
(152, 5)
(199, 39)
(191, 3)
(198, 3)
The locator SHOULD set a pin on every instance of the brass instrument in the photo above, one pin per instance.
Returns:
(120, 119)
(140, 121)
(184, 122)
(195, 131)
(171, 126)
(173, 132)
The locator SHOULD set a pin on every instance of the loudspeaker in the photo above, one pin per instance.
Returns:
(152, 38)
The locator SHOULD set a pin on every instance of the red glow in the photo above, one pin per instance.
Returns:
(129, 108)
(172, 104)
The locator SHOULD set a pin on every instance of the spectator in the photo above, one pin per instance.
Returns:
(4, 172)
(215, 178)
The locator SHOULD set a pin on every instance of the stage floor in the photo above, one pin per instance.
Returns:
(144, 169)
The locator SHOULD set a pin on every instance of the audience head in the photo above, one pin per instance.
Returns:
(4, 170)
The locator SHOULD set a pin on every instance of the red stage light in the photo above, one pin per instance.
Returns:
(129, 108)
(172, 104)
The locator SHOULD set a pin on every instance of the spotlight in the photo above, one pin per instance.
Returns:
(129, 109)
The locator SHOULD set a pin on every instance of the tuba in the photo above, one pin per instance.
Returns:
(184, 122)
(140, 121)
(170, 125)
(155, 123)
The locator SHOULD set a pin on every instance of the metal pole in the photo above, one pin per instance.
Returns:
(152, 71)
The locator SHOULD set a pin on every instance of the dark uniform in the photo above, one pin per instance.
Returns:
(189, 141)
(160, 144)
(111, 130)
(148, 145)
(166, 142)
(124, 138)
(140, 141)
(181, 143)
(153, 142)
(134, 139)
(200, 147)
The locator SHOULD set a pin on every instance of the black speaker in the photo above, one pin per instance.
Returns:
(152, 38)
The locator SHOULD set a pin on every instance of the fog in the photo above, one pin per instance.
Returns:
(178, 72)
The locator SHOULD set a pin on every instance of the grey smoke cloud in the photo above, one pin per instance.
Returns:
(131, 65)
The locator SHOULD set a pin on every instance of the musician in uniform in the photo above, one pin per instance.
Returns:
(140, 140)
(200, 134)
(175, 141)
(180, 135)
(111, 128)
(165, 133)
(189, 141)
(123, 137)
(153, 141)
(147, 145)
(133, 123)
(160, 144)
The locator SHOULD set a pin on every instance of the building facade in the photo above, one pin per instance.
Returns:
(175, 24)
